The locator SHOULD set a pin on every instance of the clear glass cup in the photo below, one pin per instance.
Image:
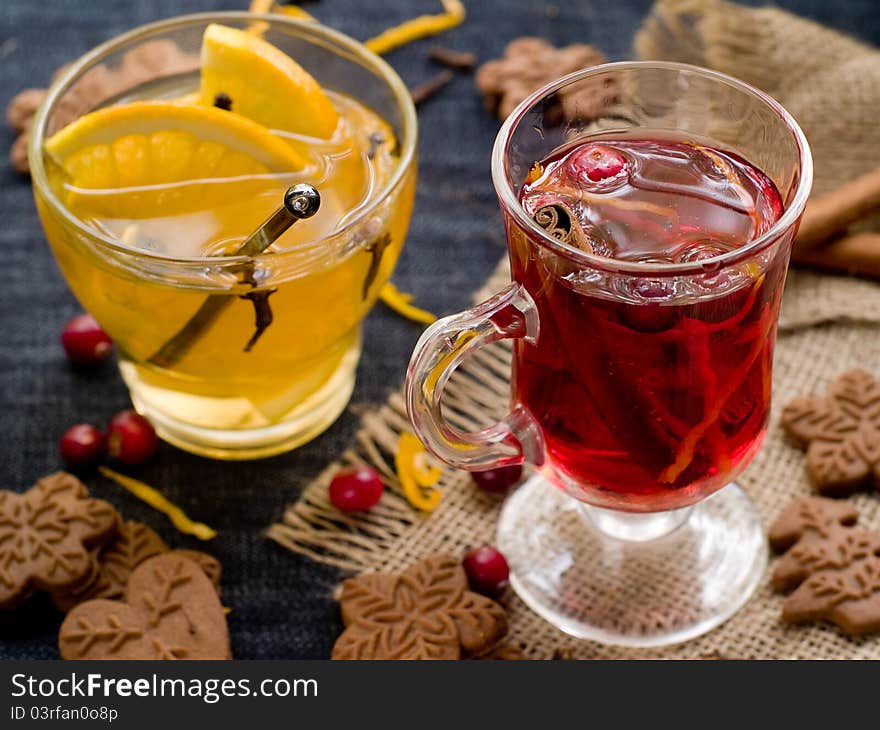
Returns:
(218, 399)
(643, 413)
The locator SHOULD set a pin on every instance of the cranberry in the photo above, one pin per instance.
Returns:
(85, 342)
(487, 570)
(356, 488)
(596, 163)
(497, 480)
(131, 438)
(82, 446)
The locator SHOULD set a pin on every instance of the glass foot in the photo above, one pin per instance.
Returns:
(642, 591)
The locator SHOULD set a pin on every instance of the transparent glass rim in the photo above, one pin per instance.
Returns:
(509, 201)
(311, 30)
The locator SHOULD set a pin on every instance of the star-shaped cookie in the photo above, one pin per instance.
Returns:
(840, 432)
(46, 535)
(116, 561)
(830, 565)
(426, 612)
(529, 63)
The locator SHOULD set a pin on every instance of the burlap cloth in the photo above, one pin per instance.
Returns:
(828, 324)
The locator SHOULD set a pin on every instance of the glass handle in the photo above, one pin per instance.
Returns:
(510, 314)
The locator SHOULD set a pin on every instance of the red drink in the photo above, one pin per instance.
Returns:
(643, 317)
(651, 391)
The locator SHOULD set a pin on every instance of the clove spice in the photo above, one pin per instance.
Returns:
(455, 60)
(425, 90)
(376, 248)
(300, 201)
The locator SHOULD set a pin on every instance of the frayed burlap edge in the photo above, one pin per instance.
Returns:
(390, 536)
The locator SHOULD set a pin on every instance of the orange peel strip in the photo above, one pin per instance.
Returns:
(261, 6)
(400, 302)
(294, 11)
(265, 7)
(158, 501)
(421, 27)
(417, 478)
(685, 453)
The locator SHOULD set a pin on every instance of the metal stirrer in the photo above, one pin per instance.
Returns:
(300, 202)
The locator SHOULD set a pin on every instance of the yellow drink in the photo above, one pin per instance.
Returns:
(238, 390)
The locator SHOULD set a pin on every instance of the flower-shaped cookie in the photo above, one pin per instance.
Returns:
(840, 432)
(426, 612)
(113, 565)
(530, 63)
(830, 565)
(45, 536)
(116, 561)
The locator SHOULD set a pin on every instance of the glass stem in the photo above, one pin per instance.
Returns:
(633, 526)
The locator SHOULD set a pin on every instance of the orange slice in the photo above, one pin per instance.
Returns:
(264, 83)
(156, 158)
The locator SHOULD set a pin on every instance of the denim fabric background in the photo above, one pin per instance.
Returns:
(281, 603)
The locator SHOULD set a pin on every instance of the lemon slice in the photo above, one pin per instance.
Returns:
(264, 83)
(149, 159)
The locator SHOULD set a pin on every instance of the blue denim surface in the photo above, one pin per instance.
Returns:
(281, 603)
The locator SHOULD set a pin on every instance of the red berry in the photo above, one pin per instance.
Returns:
(131, 438)
(82, 447)
(84, 341)
(487, 570)
(497, 480)
(356, 488)
(596, 163)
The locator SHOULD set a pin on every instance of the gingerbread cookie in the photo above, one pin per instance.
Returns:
(426, 612)
(46, 535)
(840, 432)
(831, 565)
(116, 561)
(208, 563)
(113, 565)
(171, 611)
(150, 60)
(530, 63)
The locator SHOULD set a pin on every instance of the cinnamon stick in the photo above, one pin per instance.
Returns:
(835, 211)
(855, 253)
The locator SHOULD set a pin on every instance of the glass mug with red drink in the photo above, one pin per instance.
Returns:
(649, 227)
